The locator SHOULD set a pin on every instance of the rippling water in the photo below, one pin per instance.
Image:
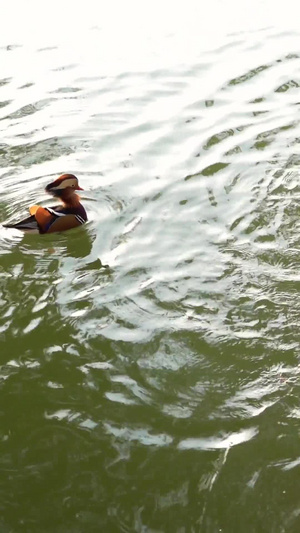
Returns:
(150, 359)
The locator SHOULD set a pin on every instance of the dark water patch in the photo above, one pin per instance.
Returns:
(28, 110)
(63, 90)
(33, 153)
(258, 100)
(5, 81)
(249, 75)
(214, 168)
(291, 84)
(5, 103)
(12, 47)
(27, 135)
(208, 171)
(265, 138)
(27, 85)
(219, 137)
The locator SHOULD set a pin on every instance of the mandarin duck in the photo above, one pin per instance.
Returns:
(68, 215)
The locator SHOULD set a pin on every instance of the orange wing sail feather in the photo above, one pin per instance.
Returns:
(43, 218)
(33, 209)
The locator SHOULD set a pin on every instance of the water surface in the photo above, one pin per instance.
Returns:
(149, 360)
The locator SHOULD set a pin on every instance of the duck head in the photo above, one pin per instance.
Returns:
(64, 187)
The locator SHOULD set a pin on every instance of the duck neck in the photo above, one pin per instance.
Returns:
(71, 200)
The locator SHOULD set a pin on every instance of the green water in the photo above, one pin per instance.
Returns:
(150, 359)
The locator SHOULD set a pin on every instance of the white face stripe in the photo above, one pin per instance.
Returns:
(69, 182)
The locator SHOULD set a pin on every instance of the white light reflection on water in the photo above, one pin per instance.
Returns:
(216, 443)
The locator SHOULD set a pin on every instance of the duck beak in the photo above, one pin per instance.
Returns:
(79, 188)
